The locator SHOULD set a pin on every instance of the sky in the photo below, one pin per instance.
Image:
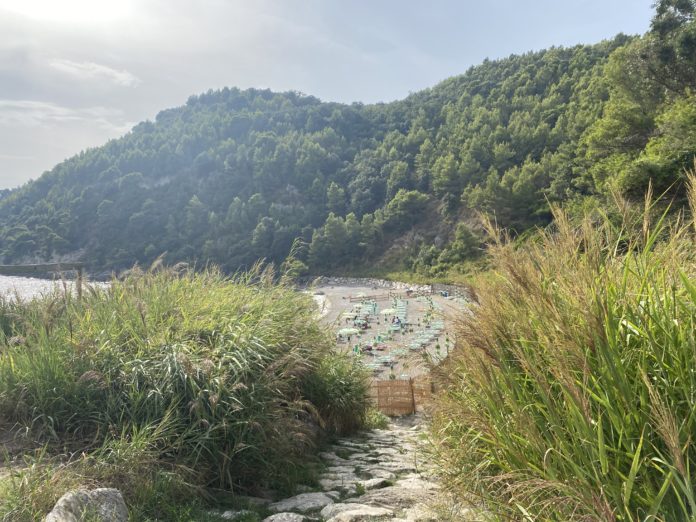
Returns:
(76, 73)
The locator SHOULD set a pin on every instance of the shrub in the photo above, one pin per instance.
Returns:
(376, 420)
(340, 390)
(223, 373)
(570, 395)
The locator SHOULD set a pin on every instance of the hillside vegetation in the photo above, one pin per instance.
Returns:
(234, 176)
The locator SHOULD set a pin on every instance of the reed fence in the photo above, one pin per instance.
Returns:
(397, 397)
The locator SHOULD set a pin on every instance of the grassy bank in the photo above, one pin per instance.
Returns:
(571, 392)
(171, 387)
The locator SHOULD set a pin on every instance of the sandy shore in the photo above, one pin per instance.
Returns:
(334, 301)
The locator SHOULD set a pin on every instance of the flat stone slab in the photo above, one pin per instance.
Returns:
(379, 473)
(234, 515)
(398, 467)
(345, 477)
(285, 517)
(303, 503)
(350, 443)
(388, 451)
(334, 509)
(333, 484)
(360, 456)
(394, 497)
(332, 457)
(416, 483)
(375, 483)
(339, 469)
(362, 514)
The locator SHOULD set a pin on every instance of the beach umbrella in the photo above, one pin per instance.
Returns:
(388, 311)
(348, 331)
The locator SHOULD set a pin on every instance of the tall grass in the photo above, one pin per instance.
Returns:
(571, 394)
(215, 380)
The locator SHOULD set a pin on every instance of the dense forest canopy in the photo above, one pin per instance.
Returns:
(234, 176)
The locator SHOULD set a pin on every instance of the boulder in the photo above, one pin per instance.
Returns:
(103, 504)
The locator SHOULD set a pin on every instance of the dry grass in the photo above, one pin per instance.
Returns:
(571, 392)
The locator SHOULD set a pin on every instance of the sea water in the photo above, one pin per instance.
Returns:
(27, 287)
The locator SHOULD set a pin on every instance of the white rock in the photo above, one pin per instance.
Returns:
(303, 502)
(105, 504)
(398, 467)
(360, 456)
(341, 469)
(334, 484)
(416, 483)
(361, 514)
(347, 488)
(334, 509)
(388, 451)
(380, 473)
(420, 513)
(285, 517)
(374, 483)
(234, 515)
(393, 496)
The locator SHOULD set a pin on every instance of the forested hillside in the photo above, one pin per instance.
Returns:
(234, 176)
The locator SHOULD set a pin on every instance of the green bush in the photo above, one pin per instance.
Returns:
(340, 390)
(571, 392)
(222, 373)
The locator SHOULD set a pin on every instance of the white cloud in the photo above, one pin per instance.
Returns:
(31, 113)
(96, 71)
(16, 157)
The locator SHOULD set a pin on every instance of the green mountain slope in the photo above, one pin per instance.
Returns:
(234, 176)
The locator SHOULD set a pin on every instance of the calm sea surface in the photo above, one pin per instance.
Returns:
(26, 287)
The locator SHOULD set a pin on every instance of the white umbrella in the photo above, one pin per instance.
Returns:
(348, 331)
(388, 311)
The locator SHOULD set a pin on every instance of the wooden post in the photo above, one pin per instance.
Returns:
(79, 283)
(413, 394)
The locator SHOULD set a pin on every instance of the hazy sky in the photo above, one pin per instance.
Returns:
(75, 73)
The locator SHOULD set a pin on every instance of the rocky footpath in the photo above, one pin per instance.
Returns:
(379, 475)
